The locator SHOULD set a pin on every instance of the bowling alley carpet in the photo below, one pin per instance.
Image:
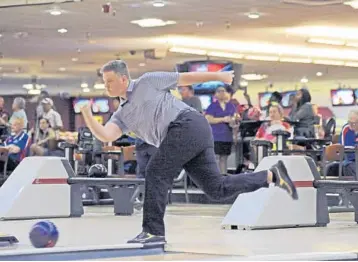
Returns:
(194, 233)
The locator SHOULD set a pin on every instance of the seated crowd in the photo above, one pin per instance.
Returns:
(19, 141)
(224, 114)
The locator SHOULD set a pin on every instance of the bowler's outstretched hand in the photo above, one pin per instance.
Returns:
(228, 77)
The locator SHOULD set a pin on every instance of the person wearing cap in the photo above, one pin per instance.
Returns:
(51, 115)
(39, 109)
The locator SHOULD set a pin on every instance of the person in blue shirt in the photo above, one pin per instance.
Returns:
(349, 138)
(16, 144)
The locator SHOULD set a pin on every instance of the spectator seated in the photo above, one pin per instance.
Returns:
(275, 123)
(43, 139)
(15, 147)
(348, 138)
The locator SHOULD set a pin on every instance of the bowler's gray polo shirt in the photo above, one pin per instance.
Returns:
(150, 107)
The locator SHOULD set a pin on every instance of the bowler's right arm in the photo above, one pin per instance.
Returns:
(108, 133)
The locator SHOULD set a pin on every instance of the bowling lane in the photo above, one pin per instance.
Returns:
(193, 233)
(177, 257)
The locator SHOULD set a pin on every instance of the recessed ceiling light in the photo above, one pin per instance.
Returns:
(84, 85)
(142, 64)
(319, 74)
(351, 64)
(62, 69)
(55, 12)
(0, 35)
(304, 80)
(152, 22)
(158, 3)
(253, 15)
(74, 59)
(253, 77)
(62, 30)
(99, 86)
(325, 31)
(34, 92)
(353, 4)
(326, 41)
(85, 90)
(244, 83)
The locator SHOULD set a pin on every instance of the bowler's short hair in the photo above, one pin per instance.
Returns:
(117, 66)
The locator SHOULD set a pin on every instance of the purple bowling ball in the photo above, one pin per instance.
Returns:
(44, 234)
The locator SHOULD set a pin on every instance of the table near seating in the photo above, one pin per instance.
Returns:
(320, 142)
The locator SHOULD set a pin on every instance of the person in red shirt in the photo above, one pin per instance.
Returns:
(276, 123)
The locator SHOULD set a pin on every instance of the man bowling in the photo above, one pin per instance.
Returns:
(182, 135)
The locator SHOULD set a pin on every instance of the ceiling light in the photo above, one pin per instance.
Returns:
(99, 86)
(27, 86)
(325, 31)
(319, 74)
(56, 12)
(244, 83)
(262, 58)
(304, 80)
(85, 90)
(326, 41)
(328, 62)
(253, 15)
(351, 44)
(188, 51)
(62, 30)
(34, 92)
(158, 3)
(0, 35)
(253, 77)
(351, 64)
(84, 85)
(141, 64)
(152, 22)
(353, 4)
(296, 60)
(34, 86)
(62, 69)
(259, 48)
(226, 55)
(74, 59)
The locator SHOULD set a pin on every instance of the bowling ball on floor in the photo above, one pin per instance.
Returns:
(44, 234)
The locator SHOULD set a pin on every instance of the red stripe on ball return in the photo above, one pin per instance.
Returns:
(50, 181)
(303, 183)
